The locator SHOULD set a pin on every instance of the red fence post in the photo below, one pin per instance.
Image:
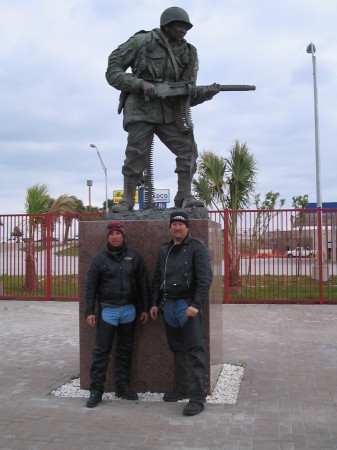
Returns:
(48, 257)
(320, 254)
(226, 258)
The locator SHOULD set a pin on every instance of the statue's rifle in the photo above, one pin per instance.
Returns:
(166, 89)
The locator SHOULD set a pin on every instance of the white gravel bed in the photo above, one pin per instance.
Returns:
(225, 392)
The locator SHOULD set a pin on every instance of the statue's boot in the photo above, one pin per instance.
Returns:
(184, 198)
(128, 200)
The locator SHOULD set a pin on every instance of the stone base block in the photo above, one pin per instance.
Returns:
(152, 363)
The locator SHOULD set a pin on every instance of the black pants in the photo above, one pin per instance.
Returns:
(104, 337)
(190, 340)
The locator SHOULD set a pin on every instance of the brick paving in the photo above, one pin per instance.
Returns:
(287, 399)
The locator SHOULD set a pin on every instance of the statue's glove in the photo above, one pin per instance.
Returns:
(149, 90)
(212, 90)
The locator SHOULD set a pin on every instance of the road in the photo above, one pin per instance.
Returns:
(13, 261)
(281, 266)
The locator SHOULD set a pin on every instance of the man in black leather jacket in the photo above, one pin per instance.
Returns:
(182, 280)
(117, 281)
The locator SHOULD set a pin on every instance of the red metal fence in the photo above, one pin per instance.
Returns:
(39, 255)
(277, 256)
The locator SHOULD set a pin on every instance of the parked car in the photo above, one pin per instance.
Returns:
(300, 251)
(73, 238)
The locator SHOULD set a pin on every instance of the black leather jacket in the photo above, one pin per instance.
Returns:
(183, 271)
(116, 278)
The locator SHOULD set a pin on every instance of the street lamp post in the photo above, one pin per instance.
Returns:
(312, 49)
(322, 271)
(106, 178)
(89, 184)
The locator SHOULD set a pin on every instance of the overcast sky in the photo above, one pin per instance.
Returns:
(55, 101)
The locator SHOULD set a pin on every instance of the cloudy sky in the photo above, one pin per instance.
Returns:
(55, 101)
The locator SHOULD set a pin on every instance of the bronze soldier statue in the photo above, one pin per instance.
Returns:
(158, 56)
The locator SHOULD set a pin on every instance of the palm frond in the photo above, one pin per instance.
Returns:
(63, 204)
(37, 199)
(241, 171)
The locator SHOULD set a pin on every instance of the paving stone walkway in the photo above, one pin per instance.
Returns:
(287, 399)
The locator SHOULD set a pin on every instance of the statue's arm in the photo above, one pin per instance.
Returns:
(119, 61)
(204, 93)
(201, 94)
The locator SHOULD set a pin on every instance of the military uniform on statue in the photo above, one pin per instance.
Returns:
(161, 55)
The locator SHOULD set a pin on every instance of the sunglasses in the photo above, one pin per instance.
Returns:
(117, 225)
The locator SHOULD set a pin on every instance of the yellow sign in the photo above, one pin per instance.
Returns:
(119, 194)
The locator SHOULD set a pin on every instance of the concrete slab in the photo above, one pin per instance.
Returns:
(287, 399)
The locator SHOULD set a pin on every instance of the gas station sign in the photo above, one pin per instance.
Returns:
(119, 194)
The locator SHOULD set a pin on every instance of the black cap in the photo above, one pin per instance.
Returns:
(179, 216)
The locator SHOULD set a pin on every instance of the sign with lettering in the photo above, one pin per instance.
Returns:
(159, 205)
(161, 195)
(119, 194)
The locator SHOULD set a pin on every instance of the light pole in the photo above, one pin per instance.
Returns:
(311, 49)
(89, 184)
(106, 178)
(322, 275)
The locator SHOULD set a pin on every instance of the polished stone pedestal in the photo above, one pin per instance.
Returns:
(152, 364)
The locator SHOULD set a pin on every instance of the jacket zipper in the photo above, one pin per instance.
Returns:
(166, 259)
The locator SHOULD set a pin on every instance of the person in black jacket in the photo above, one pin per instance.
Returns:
(182, 279)
(117, 281)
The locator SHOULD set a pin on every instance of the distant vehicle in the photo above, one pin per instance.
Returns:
(73, 238)
(300, 251)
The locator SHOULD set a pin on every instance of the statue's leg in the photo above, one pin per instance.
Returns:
(184, 198)
(128, 200)
(136, 156)
(184, 147)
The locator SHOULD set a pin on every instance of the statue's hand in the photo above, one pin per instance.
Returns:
(212, 90)
(149, 90)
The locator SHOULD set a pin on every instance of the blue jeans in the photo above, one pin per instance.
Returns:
(175, 312)
(118, 314)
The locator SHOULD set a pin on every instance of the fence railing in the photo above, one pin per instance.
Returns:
(277, 256)
(39, 255)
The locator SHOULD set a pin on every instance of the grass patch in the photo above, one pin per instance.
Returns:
(239, 364)
(265, 288)
(268, 287)
(70, 251)
(60, 287)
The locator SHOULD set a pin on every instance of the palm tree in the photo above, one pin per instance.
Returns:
(210, 185)
(299, 203)
(229, 183)
(39, 202)
(72, 207)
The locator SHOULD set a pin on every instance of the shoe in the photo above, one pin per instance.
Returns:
(193, 408)
(94, 399)
(174, 396)
(127, 395)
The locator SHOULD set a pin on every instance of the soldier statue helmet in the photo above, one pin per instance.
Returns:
(174, 14)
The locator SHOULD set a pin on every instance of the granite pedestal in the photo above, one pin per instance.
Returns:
(152, 363)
